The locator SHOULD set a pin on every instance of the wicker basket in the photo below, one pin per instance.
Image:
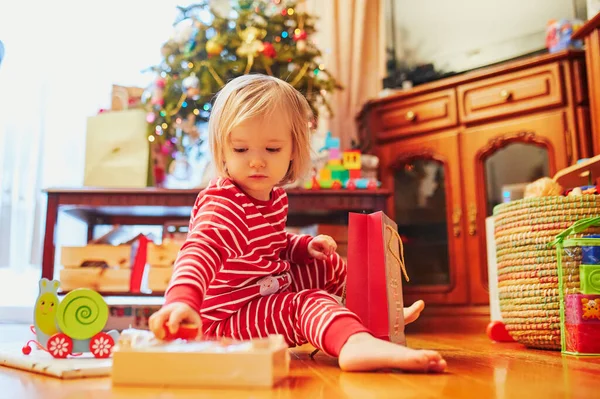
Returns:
(527, 266)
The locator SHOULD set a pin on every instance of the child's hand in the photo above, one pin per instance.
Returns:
(321, 247)
(172, 316)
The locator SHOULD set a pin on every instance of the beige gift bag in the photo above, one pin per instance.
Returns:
(117, 150)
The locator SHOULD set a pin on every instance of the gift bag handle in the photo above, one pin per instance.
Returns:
(389, 247)
(577, 227)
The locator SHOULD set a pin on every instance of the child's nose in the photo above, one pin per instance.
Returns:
(257, 163)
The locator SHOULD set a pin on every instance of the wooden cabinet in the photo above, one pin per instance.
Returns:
(590, 33)
(541, 144)
(450, 150)
(428, 215)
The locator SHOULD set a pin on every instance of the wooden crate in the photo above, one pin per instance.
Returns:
(163, 255)
(117, 256)
(159, 278)
(96, 278)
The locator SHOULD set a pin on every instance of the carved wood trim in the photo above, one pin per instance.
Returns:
(498, 142)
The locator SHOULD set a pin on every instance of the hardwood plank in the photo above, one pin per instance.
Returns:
(477, 368)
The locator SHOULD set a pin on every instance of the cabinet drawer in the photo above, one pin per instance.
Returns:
(418, 114)
(511, 93)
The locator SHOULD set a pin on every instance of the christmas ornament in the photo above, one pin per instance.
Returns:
(180, 168)
(268, 50)
(183, 31)
(213, 47)
(251, 45)
(300, 34)
(246, 4)
(301, 45)
(158, 93)
(191, 85)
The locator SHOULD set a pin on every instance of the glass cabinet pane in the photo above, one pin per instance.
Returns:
(420, 212)
(508, 170)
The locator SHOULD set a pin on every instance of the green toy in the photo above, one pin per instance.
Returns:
(71, 326)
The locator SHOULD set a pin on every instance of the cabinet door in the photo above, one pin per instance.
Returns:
(423, 175)
(498, 160)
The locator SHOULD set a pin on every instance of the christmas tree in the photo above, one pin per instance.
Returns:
(208, 49)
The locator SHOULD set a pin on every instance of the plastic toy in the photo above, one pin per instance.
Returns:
(186, 331)
(579, 297)
(71, 326)
(559, 33)
(342, 170)
(496, 331)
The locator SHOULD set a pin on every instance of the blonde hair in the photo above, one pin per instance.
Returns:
(249, 96)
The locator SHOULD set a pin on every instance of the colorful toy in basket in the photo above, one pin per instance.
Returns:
(71, 326)
(579, 288)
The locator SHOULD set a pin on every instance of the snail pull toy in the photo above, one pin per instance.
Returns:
(72, 326)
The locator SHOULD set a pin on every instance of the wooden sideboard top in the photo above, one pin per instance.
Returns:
(194, 191)
(589, 26)
(484, 72)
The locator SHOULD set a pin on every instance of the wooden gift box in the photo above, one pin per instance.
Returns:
(260, 363)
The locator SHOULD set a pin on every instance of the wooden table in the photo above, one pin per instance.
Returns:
(153, 206)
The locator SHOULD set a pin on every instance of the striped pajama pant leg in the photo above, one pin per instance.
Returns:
(302, 315)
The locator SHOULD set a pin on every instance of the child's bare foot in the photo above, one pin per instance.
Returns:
(412, 313)
(363, 352)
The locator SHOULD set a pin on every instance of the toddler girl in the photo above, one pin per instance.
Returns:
(239, 274)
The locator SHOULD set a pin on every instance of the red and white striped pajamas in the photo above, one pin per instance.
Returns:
(248, 277)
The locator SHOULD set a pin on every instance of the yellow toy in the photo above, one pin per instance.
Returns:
(590, 308)
(71, 326)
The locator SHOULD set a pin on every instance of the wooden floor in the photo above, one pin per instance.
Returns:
(477, 368)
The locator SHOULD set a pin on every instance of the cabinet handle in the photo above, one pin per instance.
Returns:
(456, 216)
(410, 116)
(505, 94)
(472, 219)
(569, 147)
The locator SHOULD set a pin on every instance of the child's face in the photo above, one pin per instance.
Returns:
(258, 154)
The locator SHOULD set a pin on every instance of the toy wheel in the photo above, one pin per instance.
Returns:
(101, 345)
(336, 185)
(60, 345)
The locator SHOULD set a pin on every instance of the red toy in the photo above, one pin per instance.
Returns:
(186, 331)
(497, 332)
(582, 338)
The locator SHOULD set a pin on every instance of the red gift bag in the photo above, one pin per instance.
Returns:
(374, 283)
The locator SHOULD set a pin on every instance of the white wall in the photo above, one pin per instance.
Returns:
(458, 35)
